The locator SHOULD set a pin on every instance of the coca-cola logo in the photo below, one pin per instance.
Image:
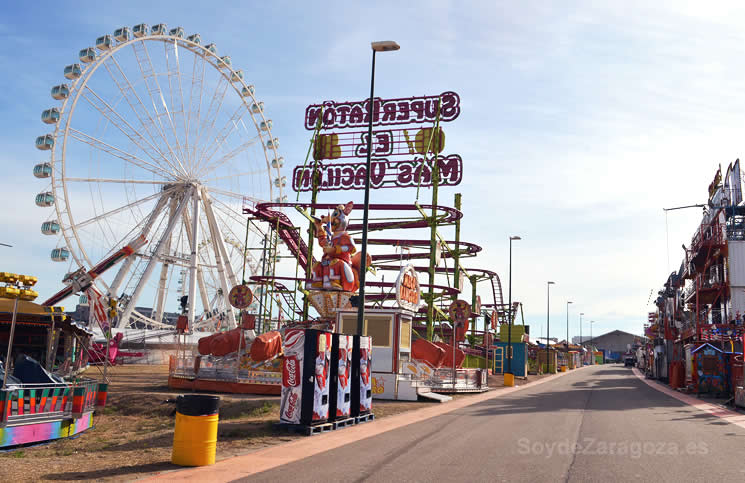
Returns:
(291, 378)
(291, 405)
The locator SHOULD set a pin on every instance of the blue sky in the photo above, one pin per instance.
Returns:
(579, 122)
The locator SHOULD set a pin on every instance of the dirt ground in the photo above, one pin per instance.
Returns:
(133, 436)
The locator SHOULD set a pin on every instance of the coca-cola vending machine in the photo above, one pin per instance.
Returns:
(341, 372)
(361, 375)
(305, 376)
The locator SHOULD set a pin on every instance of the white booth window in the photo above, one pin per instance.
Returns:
(379, 328)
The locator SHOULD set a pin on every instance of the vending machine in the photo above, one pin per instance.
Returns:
(361, 375)
(341, 369)
(305, 376)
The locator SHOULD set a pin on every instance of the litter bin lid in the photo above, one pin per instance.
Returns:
(197, 405)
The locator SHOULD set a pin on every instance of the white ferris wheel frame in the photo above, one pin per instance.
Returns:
(195, 194)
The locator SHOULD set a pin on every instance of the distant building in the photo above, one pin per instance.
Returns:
(82, 314)
(577, 339)
(614, 343)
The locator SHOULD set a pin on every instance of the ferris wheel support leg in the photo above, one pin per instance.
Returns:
(200, 276)
(161, 301)
(124, 319)
(127, 265)
(194, 259)
(221, 242)
(218, 247)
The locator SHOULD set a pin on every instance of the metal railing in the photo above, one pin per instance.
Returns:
(707, 235)
(230, 368)
(31, 403)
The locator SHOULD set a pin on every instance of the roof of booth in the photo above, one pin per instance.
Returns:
(30, 313)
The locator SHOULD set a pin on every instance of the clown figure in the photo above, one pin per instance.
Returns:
(335, 271)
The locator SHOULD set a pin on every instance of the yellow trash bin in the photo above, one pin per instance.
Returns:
(509, 379)
(195, 435)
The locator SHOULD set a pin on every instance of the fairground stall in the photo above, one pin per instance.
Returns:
(43, 397)
(695, 330)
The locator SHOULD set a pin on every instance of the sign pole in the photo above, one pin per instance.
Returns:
(433, 222)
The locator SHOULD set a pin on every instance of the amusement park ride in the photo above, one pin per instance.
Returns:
(166, 184)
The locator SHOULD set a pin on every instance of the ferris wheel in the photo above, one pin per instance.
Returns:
(156, 135)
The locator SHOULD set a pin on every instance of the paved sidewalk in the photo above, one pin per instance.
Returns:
(274, 456)
(713, 409)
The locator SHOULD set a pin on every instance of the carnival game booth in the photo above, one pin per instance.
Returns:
(548, 360)
(574, 359)
(43, 397)
(710, 373)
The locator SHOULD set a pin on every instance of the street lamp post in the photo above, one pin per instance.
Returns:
(548, 324)
(568, 302)
(581, 342)
(384, 46)
(591, 322)
(509, 311)
(592, 350)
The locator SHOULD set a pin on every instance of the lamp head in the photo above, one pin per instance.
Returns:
(515, 238)
(385, 46)
(551, 283)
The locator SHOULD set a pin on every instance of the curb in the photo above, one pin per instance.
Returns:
(727, 415)
(277, 455)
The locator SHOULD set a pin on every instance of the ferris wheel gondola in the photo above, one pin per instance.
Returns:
(156, 135)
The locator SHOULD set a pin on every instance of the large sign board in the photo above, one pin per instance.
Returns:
(383, 174)
(386, 111)
(401, 156)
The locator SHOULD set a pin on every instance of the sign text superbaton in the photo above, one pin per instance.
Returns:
(383, 174)
(386, 111)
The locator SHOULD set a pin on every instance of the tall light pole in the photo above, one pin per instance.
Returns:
(384, 46)
(592, 351)
(591, 322)
(581, 344)
(568, 302)
(509, 311)
(548, 324)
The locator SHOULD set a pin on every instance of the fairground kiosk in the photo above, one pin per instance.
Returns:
(518, 340)
(395, 373)
(42, 396)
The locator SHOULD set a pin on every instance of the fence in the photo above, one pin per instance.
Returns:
(32, 403)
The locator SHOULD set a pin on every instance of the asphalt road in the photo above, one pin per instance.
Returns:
(597, 424)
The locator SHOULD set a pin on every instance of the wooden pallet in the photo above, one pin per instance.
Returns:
(343, 423)
(364, 418)
(305, 429)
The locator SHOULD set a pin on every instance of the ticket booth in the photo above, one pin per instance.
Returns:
(390, 330)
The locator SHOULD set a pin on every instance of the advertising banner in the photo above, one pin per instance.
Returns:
(341, 371)
(305, 400)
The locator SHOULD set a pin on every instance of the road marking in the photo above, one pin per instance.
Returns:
(281, 454)
(732, 417)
